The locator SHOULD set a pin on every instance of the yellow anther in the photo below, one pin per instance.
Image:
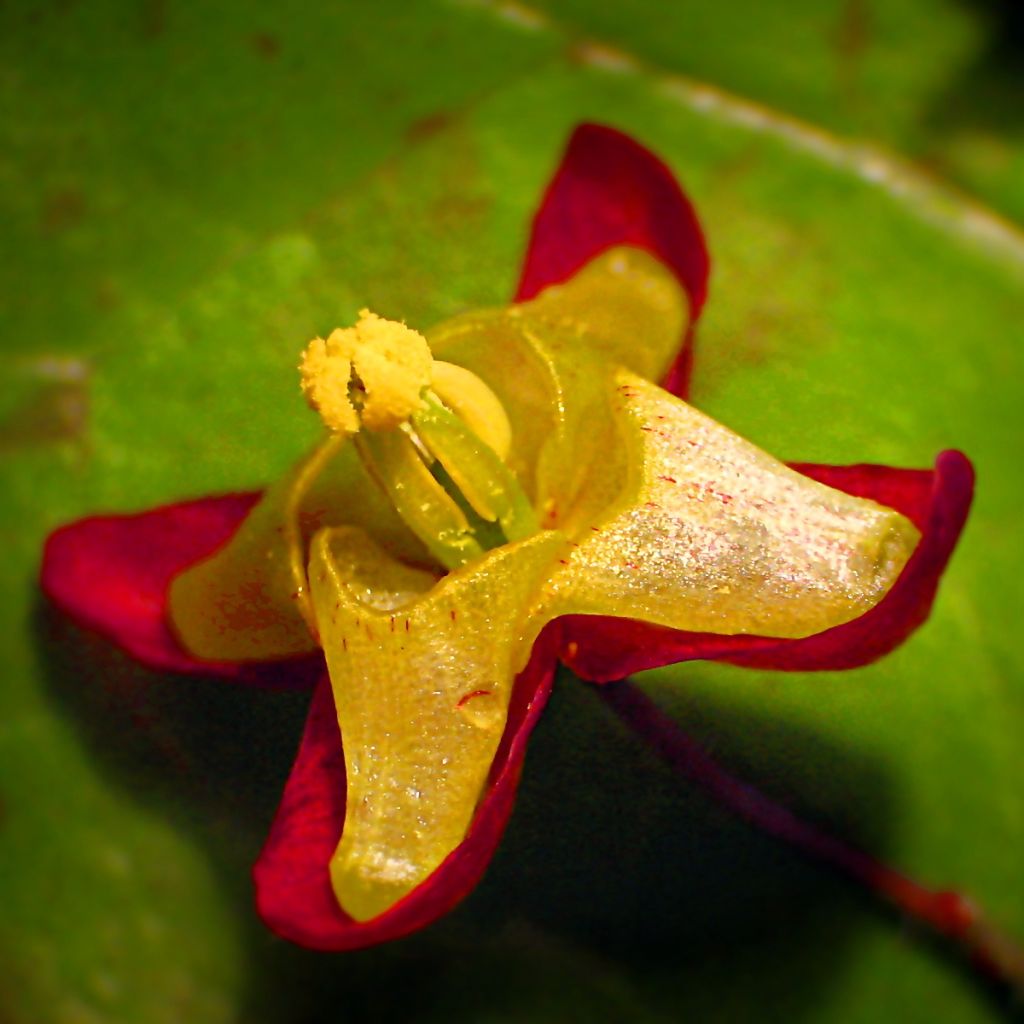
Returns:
(391, 364)
(325, 383)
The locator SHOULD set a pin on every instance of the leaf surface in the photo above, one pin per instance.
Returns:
(190, 198)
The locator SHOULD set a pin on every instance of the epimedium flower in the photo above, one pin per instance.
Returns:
(505, 493)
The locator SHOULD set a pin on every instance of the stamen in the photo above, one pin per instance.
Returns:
(380, 375)
(387, 363)
(425, 506)
(488, 485)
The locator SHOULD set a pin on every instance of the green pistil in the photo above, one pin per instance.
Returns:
(468, 468)
(428, 510)
(487, 484)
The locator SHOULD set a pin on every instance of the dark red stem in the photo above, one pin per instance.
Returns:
(948, 914)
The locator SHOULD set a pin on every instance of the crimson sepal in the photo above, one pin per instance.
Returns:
(603, 649)
(111, 575)
(293, 887)
(609, 190)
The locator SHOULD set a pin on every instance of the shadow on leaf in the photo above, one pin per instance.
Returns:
(619, 892)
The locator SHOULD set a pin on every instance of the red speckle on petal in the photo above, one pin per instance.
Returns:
(467, 697)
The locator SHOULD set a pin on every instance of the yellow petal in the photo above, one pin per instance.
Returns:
(422, 673)
(249, 600)
(624, 306)
(712, 534)
(546, 361)
(474, 403)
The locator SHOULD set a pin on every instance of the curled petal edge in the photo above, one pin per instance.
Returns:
(293, 887)
(937, 501)
(607, 191)
(111, 574)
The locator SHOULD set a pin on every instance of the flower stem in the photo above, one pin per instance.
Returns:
(948, 915)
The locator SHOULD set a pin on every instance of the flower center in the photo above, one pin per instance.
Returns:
(435, 435)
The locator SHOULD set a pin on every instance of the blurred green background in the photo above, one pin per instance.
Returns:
(188, 192)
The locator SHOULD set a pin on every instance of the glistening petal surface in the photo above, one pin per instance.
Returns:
(711, 533)
(292, 878)
(422, 672)
(936, 501)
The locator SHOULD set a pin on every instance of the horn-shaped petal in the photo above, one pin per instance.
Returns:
(293, 884)
(936, 501)
(422, 674)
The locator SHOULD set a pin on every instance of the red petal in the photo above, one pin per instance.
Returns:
(936, 501)
(609, 190)
(293, 888)
(111, 575)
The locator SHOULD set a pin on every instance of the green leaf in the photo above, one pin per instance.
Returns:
(939, 80)
(190, 195)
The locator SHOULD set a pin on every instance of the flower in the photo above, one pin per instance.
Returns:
(628, 483)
